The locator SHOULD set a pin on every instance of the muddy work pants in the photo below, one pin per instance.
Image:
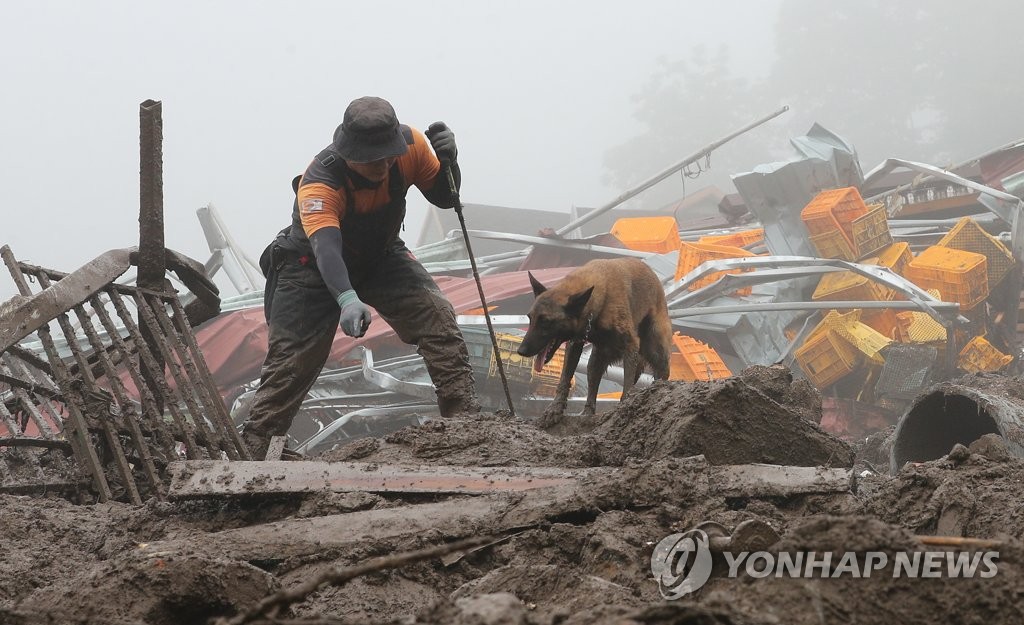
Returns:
(303, 320)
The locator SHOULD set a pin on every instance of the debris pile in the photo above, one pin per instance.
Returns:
(821, 319)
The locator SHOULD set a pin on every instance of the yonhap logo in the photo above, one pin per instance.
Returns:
(681, 563)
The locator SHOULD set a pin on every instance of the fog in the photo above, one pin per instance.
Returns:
(536, 92)
(554, 104)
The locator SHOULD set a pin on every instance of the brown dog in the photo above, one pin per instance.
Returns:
(618, 306)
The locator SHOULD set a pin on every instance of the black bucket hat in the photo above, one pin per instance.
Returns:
(369, 132)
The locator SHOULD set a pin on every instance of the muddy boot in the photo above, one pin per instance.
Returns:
(257, 443)
(459, 405)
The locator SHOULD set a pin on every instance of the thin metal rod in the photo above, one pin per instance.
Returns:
(159, 428)
(650, 182)
(128, 410)
(104, 420)
(81, 441)
(480, 289)
(147, 359)
(221, 417)
(190, 427)
(27, 403)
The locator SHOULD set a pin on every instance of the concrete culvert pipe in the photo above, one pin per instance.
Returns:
(951, 413)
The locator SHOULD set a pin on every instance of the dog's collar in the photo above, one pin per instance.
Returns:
(590, 323)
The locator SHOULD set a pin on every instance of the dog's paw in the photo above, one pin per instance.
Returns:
(551, 417)
(588, 410)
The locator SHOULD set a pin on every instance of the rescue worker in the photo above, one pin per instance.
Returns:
(342, 254)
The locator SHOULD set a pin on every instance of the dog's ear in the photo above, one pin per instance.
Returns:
(574, 307)
(538, 288)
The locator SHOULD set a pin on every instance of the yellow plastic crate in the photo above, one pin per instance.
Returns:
(648, 234)
(870, 232)
(865, 339)
(520, 368)
(833, 244)
(918, 327)
(968, 236)
(959, 276)
(692, 255)
(841, 286)
(825, 358)
(694, 360)
(979, 355)
(735, 239)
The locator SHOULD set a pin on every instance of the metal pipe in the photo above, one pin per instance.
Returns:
(952, 413)
(905, 187)
(824, 305)
(650, 182)
(151, 195)
(152, 263)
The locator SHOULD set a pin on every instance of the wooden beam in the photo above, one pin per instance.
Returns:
(206, 478)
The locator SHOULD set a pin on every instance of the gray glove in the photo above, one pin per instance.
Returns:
(355, 315)
(442, 139)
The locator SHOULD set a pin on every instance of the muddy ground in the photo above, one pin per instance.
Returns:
(576, 556)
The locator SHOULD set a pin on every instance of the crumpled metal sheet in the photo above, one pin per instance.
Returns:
(776, 192)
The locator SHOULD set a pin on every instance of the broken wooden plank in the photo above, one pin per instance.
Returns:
(276, 448)
(23, 315)
(204, 478)
(279, 540)
(598, 490)
(770, 480)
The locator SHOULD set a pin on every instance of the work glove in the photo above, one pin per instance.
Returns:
(442, 139)
(355, 315)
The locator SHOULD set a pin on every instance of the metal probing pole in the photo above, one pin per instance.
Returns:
(479, 288)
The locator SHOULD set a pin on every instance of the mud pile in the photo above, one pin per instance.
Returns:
(573, 554)
(761, 416)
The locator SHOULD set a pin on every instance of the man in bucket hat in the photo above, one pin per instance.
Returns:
(342, 253)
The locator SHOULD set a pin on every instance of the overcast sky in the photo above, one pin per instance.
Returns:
(535, 92)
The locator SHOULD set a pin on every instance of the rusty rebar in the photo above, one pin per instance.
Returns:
(187, 376)
(148, 359)
(105, 423)
(80, 438)
(131, 417)
(220, 410)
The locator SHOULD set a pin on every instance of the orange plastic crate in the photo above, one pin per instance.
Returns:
(870, 232)
(967, 235)
(959, 276)
(695, 361)
(834, 209)
(692, 255)
(896, 257)
(648, 234)
(881, 320)
(825, 358)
